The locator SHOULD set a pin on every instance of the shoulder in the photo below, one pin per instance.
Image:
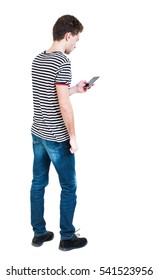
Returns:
(38, 57)
(57, 59)
(62, 57)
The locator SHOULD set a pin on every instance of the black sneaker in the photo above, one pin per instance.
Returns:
(39, 240)
(73, 243)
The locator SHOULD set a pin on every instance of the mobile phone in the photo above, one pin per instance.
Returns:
(91, 82)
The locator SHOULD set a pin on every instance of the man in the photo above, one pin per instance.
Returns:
(53, 132)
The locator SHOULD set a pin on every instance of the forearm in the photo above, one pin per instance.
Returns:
(68, 117)
(73, 90)
(79, 87)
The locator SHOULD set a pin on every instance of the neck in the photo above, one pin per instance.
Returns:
(57, 46)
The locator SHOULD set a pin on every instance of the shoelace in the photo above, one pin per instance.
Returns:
(78, 234)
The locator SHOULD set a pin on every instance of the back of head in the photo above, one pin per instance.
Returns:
(64, 24)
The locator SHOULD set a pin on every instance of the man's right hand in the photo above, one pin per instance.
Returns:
(73, 144)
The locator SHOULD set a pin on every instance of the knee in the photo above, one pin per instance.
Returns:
(39, 183)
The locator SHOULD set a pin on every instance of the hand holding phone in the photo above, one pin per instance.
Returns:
(91, 82)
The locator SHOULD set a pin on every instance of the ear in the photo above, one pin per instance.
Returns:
(68, 36)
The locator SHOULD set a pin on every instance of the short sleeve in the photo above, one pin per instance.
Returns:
(64, 75)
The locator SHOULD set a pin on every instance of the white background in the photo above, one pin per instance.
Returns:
(117, 131)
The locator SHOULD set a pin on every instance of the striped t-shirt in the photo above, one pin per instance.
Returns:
(49, 69)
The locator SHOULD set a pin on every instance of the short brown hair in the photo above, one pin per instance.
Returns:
(64, 24)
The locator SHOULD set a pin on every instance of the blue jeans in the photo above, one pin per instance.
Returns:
(59, 154)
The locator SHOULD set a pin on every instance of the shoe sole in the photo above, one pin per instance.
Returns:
(37, 245)
(40, 244)
(71, 248)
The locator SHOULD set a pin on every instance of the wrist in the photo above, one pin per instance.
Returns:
(72, 137)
